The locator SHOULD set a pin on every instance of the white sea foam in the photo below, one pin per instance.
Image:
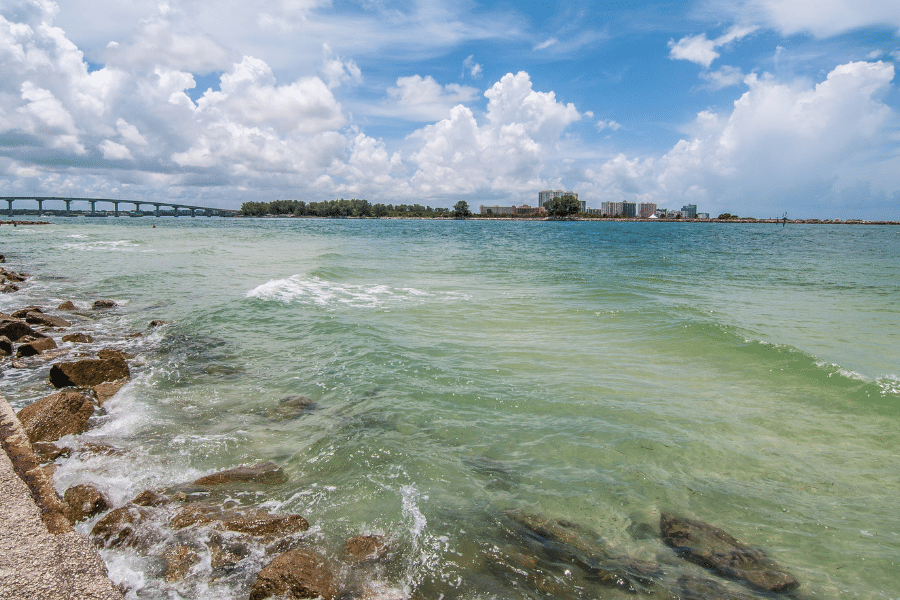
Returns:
(120, 245)
(330, 294)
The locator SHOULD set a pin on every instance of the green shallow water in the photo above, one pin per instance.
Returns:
(597, 373)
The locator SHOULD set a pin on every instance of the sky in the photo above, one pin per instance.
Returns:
(753, 107)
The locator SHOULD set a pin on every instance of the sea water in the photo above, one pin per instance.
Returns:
(594, 373)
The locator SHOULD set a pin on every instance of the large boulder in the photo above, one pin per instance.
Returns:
(16, 329)
(265, 473)
(107, 390)
(179, 560)
(295, 574)
(83, 501)
(6, 347)
(67, 305)
(88, 372)
(34, 347)
(63, 413)
(717, 550)
(104, 304)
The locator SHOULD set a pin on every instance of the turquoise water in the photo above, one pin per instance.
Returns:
(596, 373)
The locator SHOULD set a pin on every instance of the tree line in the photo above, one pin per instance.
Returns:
(341, 208)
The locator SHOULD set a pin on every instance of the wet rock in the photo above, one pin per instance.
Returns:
(12, 275)
(8, 288)
(35, 347)
(83, 501)
(78, 338)
(365, 547)
(157, 323)
(179, 560)
(6, 347)
(112, 353)
(691, 588)
(291, 407)
(254, 522)
(63, 413)
(136, 334)
(150, 498)
(549, 553)
(48, 451)
(120, 527)
(295, 574)
(39, 318)
(16, 329)
(717, 550)
(227, 551)
(67, 305)
(107, 390)
(88, 373)
(23, 312)
(266, 473)
(104, 304)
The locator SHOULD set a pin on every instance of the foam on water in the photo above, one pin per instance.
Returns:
(330, 294)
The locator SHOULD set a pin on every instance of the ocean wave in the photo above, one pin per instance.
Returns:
(120, 245)
(331, 294)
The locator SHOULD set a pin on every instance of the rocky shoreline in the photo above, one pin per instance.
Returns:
(198, 530)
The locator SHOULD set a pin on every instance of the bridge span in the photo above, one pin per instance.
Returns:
(194, 210)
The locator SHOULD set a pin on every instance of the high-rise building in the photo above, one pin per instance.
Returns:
(629, 209)
(646, 209)
(546, 196)
(691, 210)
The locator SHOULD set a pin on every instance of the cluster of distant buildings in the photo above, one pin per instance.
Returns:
(643, 210)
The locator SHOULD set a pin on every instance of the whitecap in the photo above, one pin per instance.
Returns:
(330, 294)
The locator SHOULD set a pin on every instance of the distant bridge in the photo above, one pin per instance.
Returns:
(194, 210)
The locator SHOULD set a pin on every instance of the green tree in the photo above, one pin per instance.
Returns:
(461, 210)
(563, 206)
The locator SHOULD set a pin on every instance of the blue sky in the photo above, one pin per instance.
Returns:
(756, 107)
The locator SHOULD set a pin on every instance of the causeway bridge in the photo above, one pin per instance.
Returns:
(179, 209)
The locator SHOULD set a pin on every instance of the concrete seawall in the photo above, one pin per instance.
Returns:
(41, 556)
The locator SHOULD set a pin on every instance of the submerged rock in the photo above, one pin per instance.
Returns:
(150, 498)
(88, 373)
(83, 501)
(63, 413)
(291, 407)
(78, 338)
(35, 347)
(267, 473)
(717, 550)
(104, 304)
(295, 574)
(365, 547)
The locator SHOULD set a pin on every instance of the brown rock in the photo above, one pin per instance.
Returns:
(717, 550)
(39, 318)
(67, 305)
(150, 498)
(104, 304)
(87, 373)
(157, 323)
(295, 574)
(119, 527)
(6, 347)
(107, 390)
(16, 329)
(111, 353)
(23, 312)
(83, 501)
(63, 413)
(35, 347)
(365, 547)
(265, 472)
(253, 522)
(78, 338)
(8, 288)
(179, 560)
(48, 451)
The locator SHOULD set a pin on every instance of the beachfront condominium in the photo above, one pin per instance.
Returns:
(689, 211)
(618, 209)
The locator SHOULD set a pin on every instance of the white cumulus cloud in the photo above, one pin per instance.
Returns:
(700, 50)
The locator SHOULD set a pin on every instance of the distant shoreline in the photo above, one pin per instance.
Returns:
(745, 221)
